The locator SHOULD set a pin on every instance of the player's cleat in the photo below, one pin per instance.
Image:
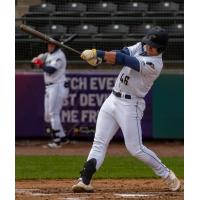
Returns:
(172, 181)
(58, 142)
(80, 187)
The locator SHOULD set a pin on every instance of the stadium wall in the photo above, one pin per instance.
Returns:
(163, 117)
(168, 106)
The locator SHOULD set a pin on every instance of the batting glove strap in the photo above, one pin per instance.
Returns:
(107, 56)
(100, 54)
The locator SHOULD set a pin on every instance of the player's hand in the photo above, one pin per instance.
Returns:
(91, 57)
(94, 61)
(37, 62)
(89, 54)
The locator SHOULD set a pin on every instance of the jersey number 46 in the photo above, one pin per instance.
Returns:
(124, 79)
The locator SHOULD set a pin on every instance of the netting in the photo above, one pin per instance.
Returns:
(100, 24)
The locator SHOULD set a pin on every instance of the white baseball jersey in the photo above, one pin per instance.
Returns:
(55, 91)
(135, 83)
(58, 61)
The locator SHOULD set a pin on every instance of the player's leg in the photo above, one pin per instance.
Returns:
(131, 127)
(46, 106)
(146, 155)
(55, 105)
(133, 142)
(62, 95)
(48, 129)
(106, 128)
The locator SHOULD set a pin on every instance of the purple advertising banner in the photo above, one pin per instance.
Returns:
(88, 91)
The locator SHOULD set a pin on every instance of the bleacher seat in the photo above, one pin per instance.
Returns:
(74, 9)
(54, 29)
(133, 6)
(140, 30)
(39, 11)
(175, 30)
(113, 30)
(101, 8)
(42, 8)
(165, 6)
(84, 29)
(71, 7)
(132, 9)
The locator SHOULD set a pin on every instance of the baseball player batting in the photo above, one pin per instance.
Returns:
(142, 64)
(54, 64)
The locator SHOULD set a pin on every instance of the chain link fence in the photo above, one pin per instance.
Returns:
(102, 25)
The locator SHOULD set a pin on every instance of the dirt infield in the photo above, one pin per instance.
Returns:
(162, 148)
(139, 189)
(104, 189)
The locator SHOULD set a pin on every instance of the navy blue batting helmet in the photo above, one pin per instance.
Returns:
(156, 37)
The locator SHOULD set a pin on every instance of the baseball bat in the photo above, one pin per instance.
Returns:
(46, 38)
(69, 39)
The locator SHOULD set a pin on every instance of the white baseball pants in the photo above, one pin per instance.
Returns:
(53, 102)
(126, 114)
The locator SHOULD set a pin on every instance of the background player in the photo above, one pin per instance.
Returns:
(124, 107)
(54, 64)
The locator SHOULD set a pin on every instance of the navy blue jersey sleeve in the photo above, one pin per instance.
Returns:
(49, 69)
(125, 50)
(123, 59)
(128, 61)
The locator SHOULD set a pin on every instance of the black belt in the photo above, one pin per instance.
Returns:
(48, 84)
(118, 94)
(66, 84)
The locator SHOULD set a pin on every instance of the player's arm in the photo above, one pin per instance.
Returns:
(119, 58)
(38, 62)
(143, 66)
(53, 66)
(125, 50)
(112, 57)
(49, 69)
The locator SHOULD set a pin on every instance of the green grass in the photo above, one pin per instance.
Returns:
(65, 167)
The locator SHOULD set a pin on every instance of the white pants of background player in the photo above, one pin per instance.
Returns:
(53, 102)
(126, 114)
